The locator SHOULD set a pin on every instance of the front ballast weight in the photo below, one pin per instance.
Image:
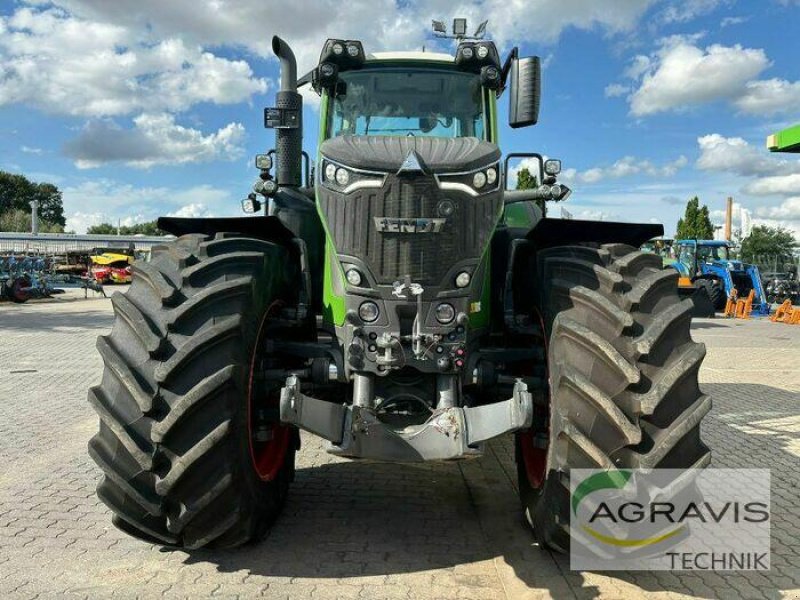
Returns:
(451, 432)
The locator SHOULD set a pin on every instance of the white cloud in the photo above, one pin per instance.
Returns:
(766, 175)
(788, 210)
(626, 166)
(735, 155)
(155, 139)
(687, 10)
(730, 21)
(195, 210)
(108, 201)
(614, 90)
(30, 150)
(776, 185)
(681, 75)
(769, 97)
(64, 64)
(380, 24)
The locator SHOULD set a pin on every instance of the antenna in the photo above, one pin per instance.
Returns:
(459, 30)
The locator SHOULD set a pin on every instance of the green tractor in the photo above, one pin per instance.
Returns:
(396, 300)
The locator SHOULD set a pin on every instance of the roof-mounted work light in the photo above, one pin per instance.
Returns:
(472, 56)
(346, 54)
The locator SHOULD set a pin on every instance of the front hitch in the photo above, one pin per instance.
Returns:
(449, 433)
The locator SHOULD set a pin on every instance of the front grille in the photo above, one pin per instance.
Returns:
(426, 257)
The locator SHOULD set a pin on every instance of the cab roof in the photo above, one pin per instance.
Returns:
(421, 56)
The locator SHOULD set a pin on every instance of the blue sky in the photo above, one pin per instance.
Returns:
(146, 108)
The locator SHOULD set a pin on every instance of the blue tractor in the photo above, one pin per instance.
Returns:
(708, 265)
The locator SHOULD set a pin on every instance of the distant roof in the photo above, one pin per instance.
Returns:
(427, 56)
(787, 140)
(707, 242)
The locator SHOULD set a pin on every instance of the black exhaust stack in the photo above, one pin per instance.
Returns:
(287, 119)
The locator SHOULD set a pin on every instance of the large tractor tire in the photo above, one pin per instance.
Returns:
(715, 291)
(190, 444)
(623, 373)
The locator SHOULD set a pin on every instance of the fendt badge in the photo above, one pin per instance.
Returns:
(398, 225)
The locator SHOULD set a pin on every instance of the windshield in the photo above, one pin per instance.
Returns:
(710, 253)
(419, 102)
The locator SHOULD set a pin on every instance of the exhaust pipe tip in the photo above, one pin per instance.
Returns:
(276, 45)
(288, 64)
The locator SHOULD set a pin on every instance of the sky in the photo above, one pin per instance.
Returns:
(138, 109)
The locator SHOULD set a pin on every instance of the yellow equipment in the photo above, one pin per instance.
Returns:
(786, 313)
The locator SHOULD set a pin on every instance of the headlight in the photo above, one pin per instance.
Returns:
(353, 277)
(477, 182)
(330, 172)
(263, 162)
(327, 70)
(344, 180)
(368, 311)
(482, 51)
(466, 52)
(556, 191)
(248, 205)
(338, 48)
(445, 208)
(462, 280)
(445, 313)
(342, 176)
(552, 166)
(352, 50)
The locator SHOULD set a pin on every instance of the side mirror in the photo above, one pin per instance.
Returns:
(526, 78)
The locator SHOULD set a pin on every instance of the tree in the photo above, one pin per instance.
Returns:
(20, 220)
(146, 228)
(765, 241)
(527, 181)
(17, 192)
(696, 223)
(102, 229)
(51, 206)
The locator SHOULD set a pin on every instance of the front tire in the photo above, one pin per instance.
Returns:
(715, 292)
(623, 377)
(174, 403)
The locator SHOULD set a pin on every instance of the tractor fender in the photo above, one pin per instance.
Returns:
(561, 232)
(269, 229)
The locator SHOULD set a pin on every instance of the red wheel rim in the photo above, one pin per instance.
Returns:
(267, 457)
(535, 459)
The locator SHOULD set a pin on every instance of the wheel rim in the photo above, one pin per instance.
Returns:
(534, 459)
(268, 440)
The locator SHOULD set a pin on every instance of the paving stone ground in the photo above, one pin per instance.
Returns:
(352, 529)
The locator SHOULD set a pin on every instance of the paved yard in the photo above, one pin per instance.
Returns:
(354, 530)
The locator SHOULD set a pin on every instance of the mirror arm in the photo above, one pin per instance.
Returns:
(507, 68)
(515, 196)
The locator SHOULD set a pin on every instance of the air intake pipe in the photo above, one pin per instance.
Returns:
(289, 136)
